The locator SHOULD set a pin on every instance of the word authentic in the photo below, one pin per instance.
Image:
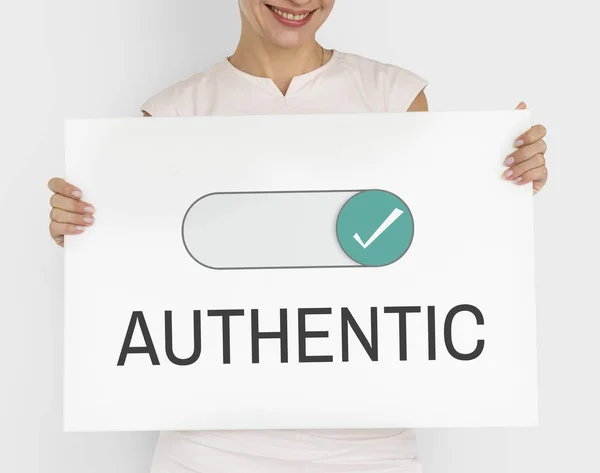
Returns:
(349, 326)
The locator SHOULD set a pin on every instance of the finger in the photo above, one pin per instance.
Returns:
(71, 205)
(62, 187)
(535, 133)
(521, 106)
(526, 152)
(62, 216)
(59, 230)
(538, 184)
(538, 176)
(518, 170)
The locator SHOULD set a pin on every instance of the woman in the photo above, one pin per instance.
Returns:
(278, 67)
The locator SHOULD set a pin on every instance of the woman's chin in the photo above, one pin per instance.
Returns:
(288, 40)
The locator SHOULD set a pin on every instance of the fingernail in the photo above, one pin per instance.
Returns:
(88, 220)
(508, 173)
(80, 229)
(518, 179)
(518, 143)
(89, 210)
(77, 194)
(508, 161)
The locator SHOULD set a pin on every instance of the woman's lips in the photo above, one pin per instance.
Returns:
(290, 18)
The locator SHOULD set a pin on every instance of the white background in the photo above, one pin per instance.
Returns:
(68, 58)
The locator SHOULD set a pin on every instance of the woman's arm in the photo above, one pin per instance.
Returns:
(419, 103)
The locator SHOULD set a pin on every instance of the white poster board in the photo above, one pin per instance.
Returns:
(278, 272)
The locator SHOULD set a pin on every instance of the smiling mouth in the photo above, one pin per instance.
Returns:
(297, 17)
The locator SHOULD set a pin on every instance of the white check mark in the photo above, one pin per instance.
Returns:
(382, 228)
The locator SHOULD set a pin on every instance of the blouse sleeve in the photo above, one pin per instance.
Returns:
(401, 87)
(162, 104)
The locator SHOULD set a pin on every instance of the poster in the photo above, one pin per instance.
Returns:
(277, 272)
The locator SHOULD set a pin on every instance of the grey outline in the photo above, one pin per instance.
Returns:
(412, 237)
(358, 265)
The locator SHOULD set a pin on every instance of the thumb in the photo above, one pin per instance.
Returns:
(521, 106)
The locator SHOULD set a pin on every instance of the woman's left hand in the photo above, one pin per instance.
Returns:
(527, 163)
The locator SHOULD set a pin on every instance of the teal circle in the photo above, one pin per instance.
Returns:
(363, 215)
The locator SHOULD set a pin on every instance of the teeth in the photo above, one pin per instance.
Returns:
(289, 16)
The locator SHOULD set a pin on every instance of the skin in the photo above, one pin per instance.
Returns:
(267, 48)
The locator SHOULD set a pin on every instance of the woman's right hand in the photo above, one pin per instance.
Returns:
(69, 215)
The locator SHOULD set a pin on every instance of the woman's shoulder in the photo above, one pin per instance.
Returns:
(178, 99)
(359, 61)
(397, 85)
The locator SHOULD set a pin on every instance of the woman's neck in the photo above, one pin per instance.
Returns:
(258, 57)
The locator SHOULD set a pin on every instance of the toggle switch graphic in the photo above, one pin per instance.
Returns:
(298, 229)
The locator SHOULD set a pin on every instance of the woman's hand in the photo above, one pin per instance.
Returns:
(69, 215)
(527, 163)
